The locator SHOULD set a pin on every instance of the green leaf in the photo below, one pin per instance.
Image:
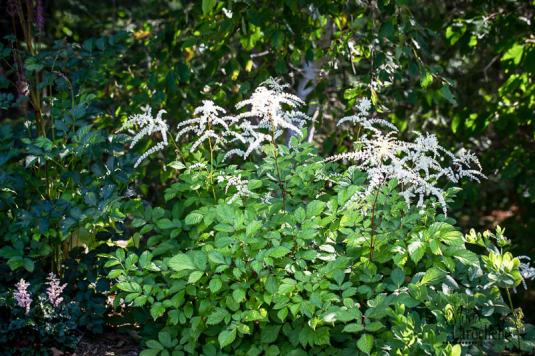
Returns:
(446, 93)
(217, 316)
(28, 264)
(193, 218)
(157, 310)
(216, 257)
(432, 276)
(195, 276)
(153, 344)
(226, 337)
(314, 208)
(166, 223)
(181, 262)
(165, 339)
(365, 343)
(416, 250)
(279, 251)
(130, 287)
(269, 333)
(353, 328)
(466, 257)
(215, 285)
(207, 6)
(514, 53)
(238, 295)
(397, 276)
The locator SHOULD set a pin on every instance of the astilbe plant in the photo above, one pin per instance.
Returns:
(147, 125)
(280, 256)
(22, 296)
(54, 290)
(417, 166)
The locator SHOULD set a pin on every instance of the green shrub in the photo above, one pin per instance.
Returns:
(290, 254)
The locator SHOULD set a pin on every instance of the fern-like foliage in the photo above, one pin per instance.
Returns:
(147, 125)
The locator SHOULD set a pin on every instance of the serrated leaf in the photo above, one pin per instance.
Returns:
(130, 287)
(353, 328)
(432, 276)
(365, 343)
(279, 251)
(215, 285)
(416, 250)
(181, 262)
(226, 337)
(195, 276)
(238, 295)
(217, 316)
(193, 218)
(314, 208)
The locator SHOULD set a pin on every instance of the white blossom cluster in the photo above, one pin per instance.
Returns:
(526, 270)
(241, 185)
(362, 118)
(147, 125)
(271, 112)
(205, 124)
(417, 166)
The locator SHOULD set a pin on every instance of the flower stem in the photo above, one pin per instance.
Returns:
(281, 184)
(372, 239)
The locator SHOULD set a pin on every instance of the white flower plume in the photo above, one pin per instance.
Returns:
(417, 166)
(241, 185)
(147, 125)
(362, 118)
(205, 125)
(271, 112)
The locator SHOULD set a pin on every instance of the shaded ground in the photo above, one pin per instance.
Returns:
(109, 343)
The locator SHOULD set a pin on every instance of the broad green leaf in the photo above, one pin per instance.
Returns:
(193, 218)
(131, 287)
(314, 208)
(365, 343)
(217, 316)
(226, 337)
(416, 250)
(181, 262)
(238, 295)
(279, 251)
(207, 6)
(432, 276)
(195, 276)
(215, 285)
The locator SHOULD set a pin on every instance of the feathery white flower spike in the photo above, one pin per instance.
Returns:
(267, 117)
(362, 118)
(147, 125)
(205, 124)
(241, 185)
(417, 166)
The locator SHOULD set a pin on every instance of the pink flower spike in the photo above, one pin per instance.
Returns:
(54, 290)
(22, 296)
